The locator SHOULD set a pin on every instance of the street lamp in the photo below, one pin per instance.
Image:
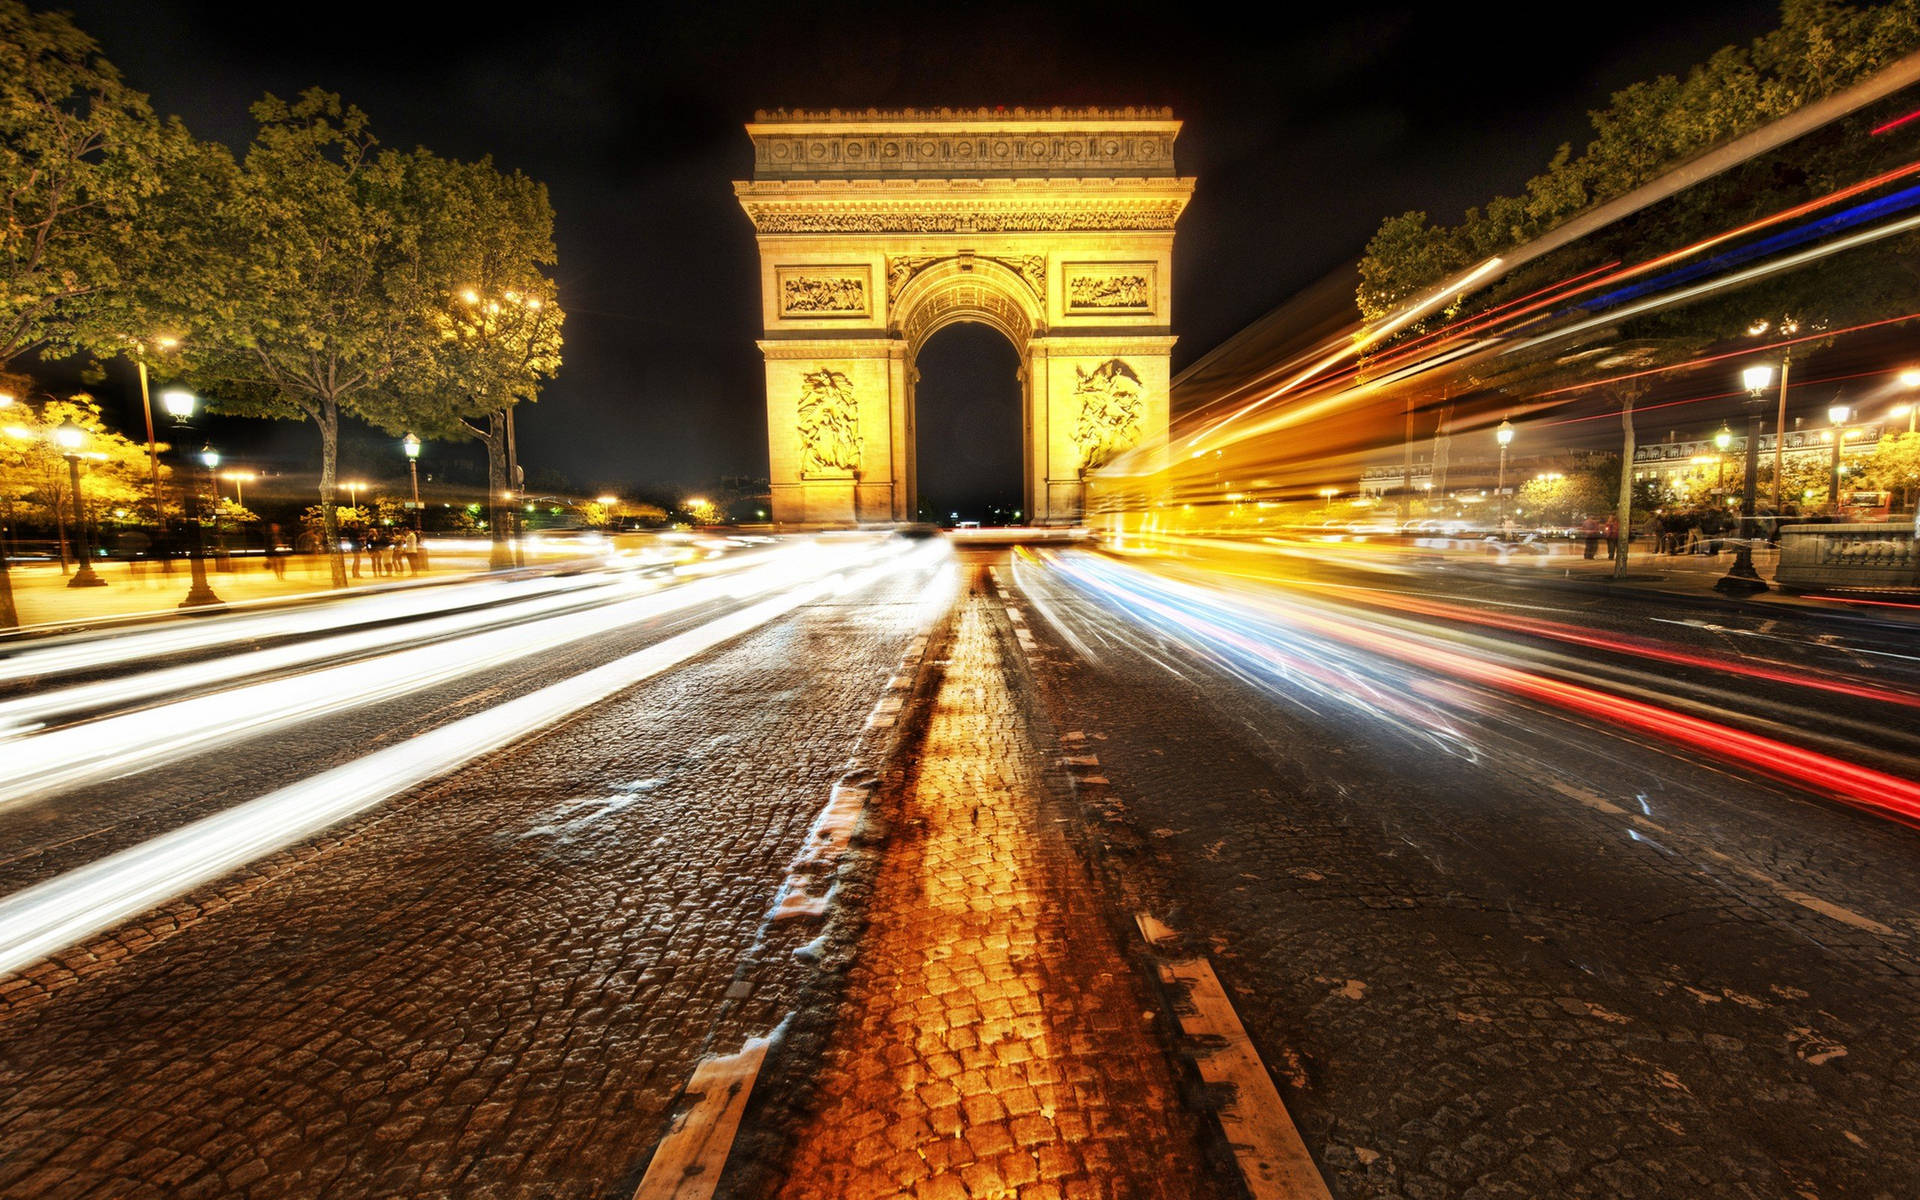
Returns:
(70, 438)
(239, 480)
(179, 405)
(411, 445)
(1722, 439)
(1741, 579)
(1327, 494)
(353, 495)
(1837, 417)
(1503, 435)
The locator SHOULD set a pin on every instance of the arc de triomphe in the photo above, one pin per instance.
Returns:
(878, 229)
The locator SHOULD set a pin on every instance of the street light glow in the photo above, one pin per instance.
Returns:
(1757, 378)
(1504, 434)
(178, 402)
(69, 437)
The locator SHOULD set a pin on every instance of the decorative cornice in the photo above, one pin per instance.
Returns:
(981, 145)
(1104, 342)
(1017, 113)
(1152, 216)
(880, 345)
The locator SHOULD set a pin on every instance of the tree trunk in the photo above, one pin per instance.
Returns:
(8, 617)
(1625, 505)
(328, 418)
(500, 512)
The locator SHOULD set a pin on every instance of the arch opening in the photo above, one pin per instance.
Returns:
(969, 425)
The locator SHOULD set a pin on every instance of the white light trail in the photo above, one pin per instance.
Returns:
(43, 708)
(40, 920)
(40, 764)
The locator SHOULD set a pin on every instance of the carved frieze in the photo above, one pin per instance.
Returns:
(816, 292)
(1108, 288)
(777, 218)
(1113, 404)
(829, 425)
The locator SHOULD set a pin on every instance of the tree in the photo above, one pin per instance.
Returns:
(308, 295)
(80, 155)
(497, 326)
(1821, 47)
(34, 474)
(1895, 465)
(1649, 128)
(1563, 497)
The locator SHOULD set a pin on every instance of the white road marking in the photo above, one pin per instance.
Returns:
(687, 1163)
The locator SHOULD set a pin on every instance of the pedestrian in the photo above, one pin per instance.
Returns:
(1612, 532)
(377, 551)
(1590, 531)
(276, 552)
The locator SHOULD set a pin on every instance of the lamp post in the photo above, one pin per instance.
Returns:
(411, 445)
(9, 617)
(1741, 579)
(353, 495)
(1722, 439)
(1503, 435)
(70, 437)
(179, 405)
(146, 408)
(239, 479)
(1327, 495)
(1837, 417)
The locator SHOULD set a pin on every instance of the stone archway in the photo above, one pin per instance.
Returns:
(876, 230)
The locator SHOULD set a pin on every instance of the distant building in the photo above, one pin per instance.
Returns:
(1673, 463)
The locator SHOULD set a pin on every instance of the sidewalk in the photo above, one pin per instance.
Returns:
(1691, 577)
(992, 1041)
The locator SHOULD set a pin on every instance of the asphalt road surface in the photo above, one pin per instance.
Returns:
(1519, 892)
(1493, 945)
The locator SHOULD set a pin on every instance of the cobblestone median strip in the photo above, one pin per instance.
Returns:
(992, 1039)
(689, 1161)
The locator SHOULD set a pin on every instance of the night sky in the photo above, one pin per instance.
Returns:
(1302, 137)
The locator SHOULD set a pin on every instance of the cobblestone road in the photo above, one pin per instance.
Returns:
(1541, 961)
(492, 987)
(994, 1041)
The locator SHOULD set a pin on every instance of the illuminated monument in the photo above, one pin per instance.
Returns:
(878, 229)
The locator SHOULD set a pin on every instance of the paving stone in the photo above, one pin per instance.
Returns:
(971, 873)
(494, 986)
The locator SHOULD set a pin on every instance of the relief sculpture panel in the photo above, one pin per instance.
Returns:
(1109, 287)
(815, 292)
(1112, 406)
(829, 424)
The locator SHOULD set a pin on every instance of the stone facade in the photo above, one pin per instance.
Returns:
(878, 229)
